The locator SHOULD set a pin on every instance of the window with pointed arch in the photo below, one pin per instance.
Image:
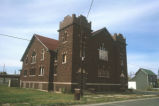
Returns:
(25, 73)
(33, 57)
(65, 36)
(41, 71)
(64, 57)
(103, 72)
(103, 53)
(26, 60)
(42, 54)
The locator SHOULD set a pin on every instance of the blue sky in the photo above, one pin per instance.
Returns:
(137, 20)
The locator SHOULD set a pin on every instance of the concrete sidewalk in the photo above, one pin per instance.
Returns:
(154, 101)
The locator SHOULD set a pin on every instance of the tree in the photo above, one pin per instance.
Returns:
(131, 75)
(3, 73)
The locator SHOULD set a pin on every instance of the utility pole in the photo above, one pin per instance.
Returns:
(3, 68)
(4, 80)
(82, 56)
(15, 72)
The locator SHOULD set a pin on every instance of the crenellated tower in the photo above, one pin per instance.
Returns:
(121, 60)
(72, 49)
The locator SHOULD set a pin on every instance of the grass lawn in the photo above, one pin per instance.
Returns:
(26, 97)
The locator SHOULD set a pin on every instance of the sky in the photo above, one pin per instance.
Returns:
(137, 20)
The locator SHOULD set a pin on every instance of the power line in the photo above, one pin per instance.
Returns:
(90, 8)
(14, 37)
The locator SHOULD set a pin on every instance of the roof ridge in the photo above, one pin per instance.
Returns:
(97, 31)
(44, 37)
(147, 71)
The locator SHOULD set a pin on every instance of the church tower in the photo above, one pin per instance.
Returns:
(72, 51)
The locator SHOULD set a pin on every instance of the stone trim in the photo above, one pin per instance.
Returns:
(66, 83)
(41, 43)
(101, 84)
(33, 82)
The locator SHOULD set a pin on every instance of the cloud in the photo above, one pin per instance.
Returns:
(120, 14)
(142, 60)
(136, 19)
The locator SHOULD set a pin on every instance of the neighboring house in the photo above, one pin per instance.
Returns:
(145, 79)
(80, 58)
(4, 79)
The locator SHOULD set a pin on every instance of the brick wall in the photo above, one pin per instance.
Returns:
(38, 80)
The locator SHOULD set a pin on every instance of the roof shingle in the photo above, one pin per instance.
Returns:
(149, 72)
(51, 44)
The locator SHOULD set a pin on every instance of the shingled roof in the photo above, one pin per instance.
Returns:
(51, 44)
(149, 72)
(48, 43)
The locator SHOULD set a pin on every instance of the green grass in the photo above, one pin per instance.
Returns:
(22, 95)
(27, 97)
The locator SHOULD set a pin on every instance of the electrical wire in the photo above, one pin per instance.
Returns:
(14, 37)
(90, 8)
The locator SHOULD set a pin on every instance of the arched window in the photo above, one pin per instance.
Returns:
(65, 36)
(33, 60)
(41, 71)
(42, 54)
(25, 73)
(26, 60)
(103, 53)
(103, 71)
(64, 57)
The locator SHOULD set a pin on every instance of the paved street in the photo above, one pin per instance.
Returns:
(140, 102)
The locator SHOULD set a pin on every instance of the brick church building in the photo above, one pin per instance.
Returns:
(81, 58)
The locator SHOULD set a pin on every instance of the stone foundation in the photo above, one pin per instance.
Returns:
(35, 85)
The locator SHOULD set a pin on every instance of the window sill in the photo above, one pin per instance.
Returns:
(102, 77)
(31, 75)
(40, 75)
(103, 60)
(64, 42)
(25, 76)
(41, 59)
(63, 62)
(33, 63)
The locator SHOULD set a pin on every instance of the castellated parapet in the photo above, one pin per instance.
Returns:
(80, 20)
(119, 37)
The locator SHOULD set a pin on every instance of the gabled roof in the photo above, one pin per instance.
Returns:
(48, 43)
(51, 44)
(99, 31)
(149, 72)
(145, 71)
(96, 33)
